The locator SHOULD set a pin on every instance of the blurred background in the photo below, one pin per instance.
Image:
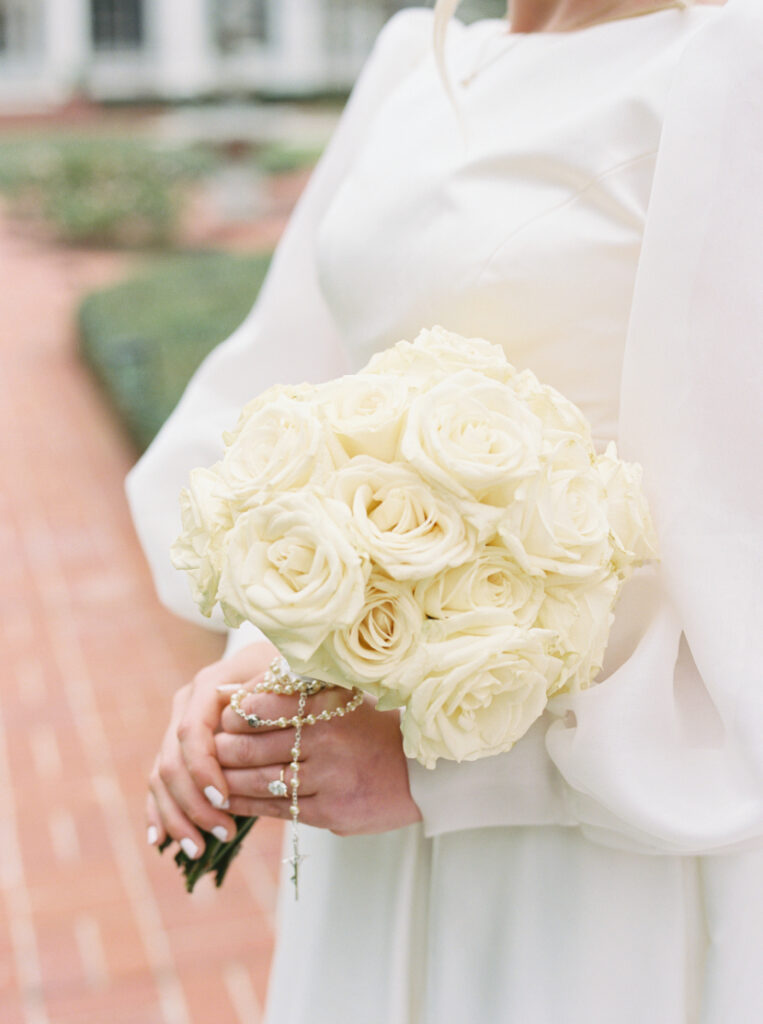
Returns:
(150, 154)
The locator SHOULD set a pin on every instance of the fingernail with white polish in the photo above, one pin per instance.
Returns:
(152, 835)
(220, 833)
(189, 848)
(215, 797)
(227, 687)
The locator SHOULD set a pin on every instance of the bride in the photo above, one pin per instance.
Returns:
(585, 192)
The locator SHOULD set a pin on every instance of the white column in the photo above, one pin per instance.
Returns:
(300, 41)
(66, 41)
(183, 47)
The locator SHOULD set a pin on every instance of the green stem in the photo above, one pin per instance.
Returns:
(217, 856)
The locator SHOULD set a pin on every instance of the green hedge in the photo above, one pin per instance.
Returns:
(145, 337)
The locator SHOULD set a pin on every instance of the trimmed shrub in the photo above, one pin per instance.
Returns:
(145, 337)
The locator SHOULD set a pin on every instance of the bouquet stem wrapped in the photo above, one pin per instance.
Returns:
(217, 855)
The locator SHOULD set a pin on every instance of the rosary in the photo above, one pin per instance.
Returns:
(280, 679)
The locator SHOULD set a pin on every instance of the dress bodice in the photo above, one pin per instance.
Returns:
(520, 218)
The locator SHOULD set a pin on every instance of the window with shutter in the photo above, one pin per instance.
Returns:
(117, 24)
(238, 23)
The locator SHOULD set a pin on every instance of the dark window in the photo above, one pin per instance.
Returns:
(19, 27)
(239, 22)
(345, 23)
(117, 24)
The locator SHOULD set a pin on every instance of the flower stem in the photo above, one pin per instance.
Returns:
(217, 855)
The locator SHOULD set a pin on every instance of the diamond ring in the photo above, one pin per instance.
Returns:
(278, 787)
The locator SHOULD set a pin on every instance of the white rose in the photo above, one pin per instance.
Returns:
(385, 632)
(207, 517)
(407, 529)
(557, 413)
(436, 353)
(632, 529)
(366, 412)
(581, 618)
(294, 392)
(472, 436)
(557, 522)
(283, 445)
(492, 579)
(485, 685)
(291, 569)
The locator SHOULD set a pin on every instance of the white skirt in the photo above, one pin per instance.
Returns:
(530, 925)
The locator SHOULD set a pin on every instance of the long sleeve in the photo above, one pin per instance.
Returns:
(665, 755)
(288, 336)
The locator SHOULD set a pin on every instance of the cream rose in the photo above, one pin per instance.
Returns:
(557, 413)
(484, 686)
(633, 533)
(366, 412)
(557, 522)
(282, 446)
(399, 521)
(206, 515)
(384, 634)
(473, 437)
(581, 618)
(492, 579)
(292, 392)
(291, 569)
(436, 353)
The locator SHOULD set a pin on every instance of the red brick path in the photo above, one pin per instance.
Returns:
(95, 927)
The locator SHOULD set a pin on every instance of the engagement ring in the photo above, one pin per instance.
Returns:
(278, 787)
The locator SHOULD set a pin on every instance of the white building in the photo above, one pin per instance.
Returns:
(180, 49)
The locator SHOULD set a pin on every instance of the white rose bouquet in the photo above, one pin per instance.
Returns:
(437, 530)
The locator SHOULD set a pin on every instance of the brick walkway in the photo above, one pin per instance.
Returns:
(95, 928)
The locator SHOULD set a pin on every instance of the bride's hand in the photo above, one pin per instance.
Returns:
(187, 787)
(353, 776)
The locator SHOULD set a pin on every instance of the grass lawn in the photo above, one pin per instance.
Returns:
(144, 338)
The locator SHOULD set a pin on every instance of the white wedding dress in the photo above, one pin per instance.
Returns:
(596, 209)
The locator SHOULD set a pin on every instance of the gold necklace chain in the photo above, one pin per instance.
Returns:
(597, 19)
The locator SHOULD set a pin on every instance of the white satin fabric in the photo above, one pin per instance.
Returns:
(597, 209)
